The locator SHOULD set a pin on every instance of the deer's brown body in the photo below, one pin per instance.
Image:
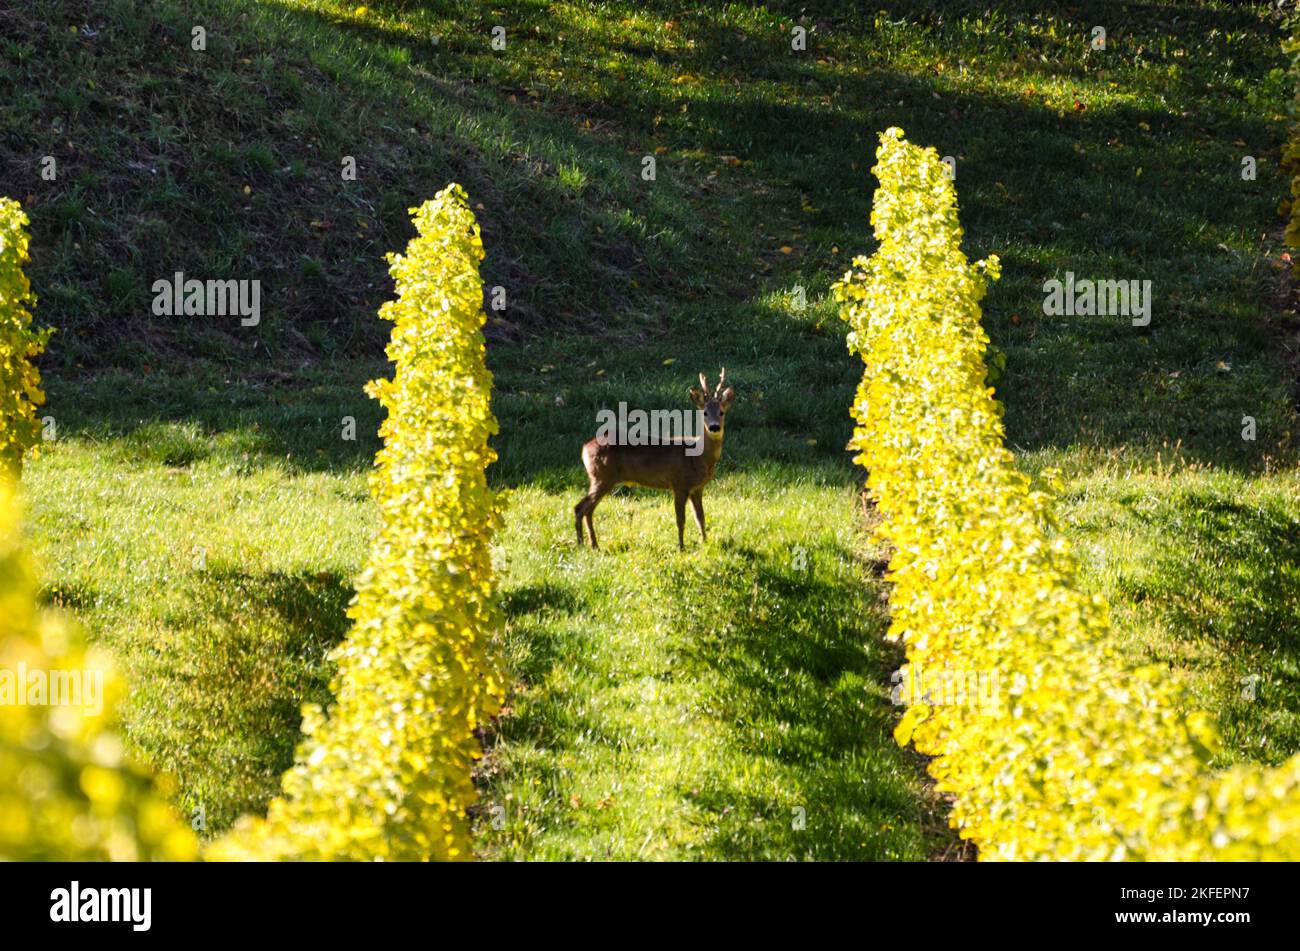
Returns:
(666, 466)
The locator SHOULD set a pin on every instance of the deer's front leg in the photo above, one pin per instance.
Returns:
(697, 503)
(679, 502)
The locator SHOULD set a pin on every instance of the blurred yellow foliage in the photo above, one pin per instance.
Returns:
(66, 792)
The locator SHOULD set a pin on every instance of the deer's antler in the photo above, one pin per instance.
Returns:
(722, 377)
(704, 384)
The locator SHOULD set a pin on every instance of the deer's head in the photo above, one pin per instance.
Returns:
(713, 404)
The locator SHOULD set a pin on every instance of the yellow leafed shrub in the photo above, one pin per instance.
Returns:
(1291, 149)
(1076, 754)
(386, 775)
(66, 792)
(20, 381)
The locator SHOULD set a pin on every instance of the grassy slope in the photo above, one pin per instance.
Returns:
(666, 705)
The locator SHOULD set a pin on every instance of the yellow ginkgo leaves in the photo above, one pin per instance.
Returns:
(386, 775)
(20, 381)
(1072, 753)
(1291, 150)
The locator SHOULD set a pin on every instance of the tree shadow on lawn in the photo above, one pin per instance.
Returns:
(790, 671)
(219, 677)
(1228, 574)
(295, 422)
(533, 645)
(798, 664)
(936, 12)
(1020, 184)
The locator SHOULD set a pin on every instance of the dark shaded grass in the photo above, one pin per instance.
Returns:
(1212, 587)
(231, 705)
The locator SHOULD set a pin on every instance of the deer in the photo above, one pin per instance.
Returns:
(667, 465)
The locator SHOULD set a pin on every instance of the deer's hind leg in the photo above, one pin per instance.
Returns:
(585, 507)
(579, 511)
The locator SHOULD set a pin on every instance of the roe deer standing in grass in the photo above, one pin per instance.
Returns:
(664, 466)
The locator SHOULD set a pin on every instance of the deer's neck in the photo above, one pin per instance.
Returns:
(712, 452)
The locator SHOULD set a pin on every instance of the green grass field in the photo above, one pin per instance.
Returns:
(201, 513)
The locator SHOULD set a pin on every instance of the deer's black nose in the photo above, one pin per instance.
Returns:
(715, 427)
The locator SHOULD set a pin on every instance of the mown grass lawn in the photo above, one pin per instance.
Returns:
(664, 705)
(730, 702)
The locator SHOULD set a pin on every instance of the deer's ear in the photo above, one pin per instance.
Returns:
(727, 396)
(697, 396)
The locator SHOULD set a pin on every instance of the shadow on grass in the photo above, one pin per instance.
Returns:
(1229, 574)
(218, 684)
(802, 672)
(531, 609)
(613, 260)
(296, 423)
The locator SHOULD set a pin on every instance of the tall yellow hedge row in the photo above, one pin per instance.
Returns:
(1077, 754)
(20, 382)
(1291, 150)
(386, 775)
